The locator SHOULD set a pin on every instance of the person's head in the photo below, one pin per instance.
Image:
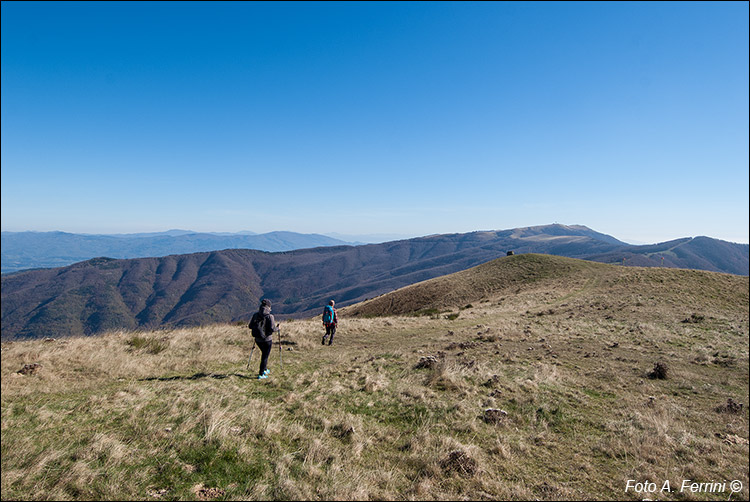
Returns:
(265, 303)
(331, 303)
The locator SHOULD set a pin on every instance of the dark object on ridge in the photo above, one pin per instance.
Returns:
(510, 253)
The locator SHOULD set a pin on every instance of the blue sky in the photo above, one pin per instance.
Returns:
(411, 118)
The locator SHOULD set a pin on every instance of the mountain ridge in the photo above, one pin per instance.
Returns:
(30, 250)
(225, 286)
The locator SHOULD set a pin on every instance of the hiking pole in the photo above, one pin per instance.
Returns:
(251, 355)
(281, 362)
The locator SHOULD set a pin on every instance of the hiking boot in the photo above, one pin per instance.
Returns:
(267, 372)
(263, 376)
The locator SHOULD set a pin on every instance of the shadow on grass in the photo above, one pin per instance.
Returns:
(197, 376)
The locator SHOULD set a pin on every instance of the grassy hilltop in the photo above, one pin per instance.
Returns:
(398, 407)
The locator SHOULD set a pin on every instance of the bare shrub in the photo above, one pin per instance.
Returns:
(346, 429)
(373, 383)
(493, 381)
(447, 377)
(731, 406)
(694, 318)
(494, 415)
(459, 462)
(29, 369)
(659, 372)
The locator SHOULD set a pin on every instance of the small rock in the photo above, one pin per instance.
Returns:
(204, 493)
(157, 492)
(732, 438)
(427, 362)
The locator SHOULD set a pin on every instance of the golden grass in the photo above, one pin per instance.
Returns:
(565, 356)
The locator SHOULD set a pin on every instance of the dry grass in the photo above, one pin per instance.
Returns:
(566, 355)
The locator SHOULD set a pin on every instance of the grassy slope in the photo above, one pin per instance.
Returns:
(563, 346)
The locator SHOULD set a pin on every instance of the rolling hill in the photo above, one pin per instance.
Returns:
(530, 272)
(223, 286)
(529, 377)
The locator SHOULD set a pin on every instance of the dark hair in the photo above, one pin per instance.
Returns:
(265, 303)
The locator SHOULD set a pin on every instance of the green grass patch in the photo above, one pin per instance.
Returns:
(599, 394)
(429, 312)
(147, 344)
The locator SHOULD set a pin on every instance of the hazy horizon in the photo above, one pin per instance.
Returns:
(366, 238)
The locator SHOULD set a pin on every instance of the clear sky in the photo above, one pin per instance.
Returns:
(385, 117)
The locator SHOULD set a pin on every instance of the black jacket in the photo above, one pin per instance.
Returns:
(263, 324)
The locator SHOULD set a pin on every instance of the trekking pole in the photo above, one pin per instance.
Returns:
(281, 362)
(251, 355)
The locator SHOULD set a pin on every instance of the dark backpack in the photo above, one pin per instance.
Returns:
(258, 325)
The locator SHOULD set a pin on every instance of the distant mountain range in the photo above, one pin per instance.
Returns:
(28, 250)
(225, 286)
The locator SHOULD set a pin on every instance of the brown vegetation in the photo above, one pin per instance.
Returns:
(537, 391)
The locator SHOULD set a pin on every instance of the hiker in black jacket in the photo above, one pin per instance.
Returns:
(263, 325)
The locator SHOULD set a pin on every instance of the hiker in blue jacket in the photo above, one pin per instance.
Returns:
(263, 326)
(330, 320)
